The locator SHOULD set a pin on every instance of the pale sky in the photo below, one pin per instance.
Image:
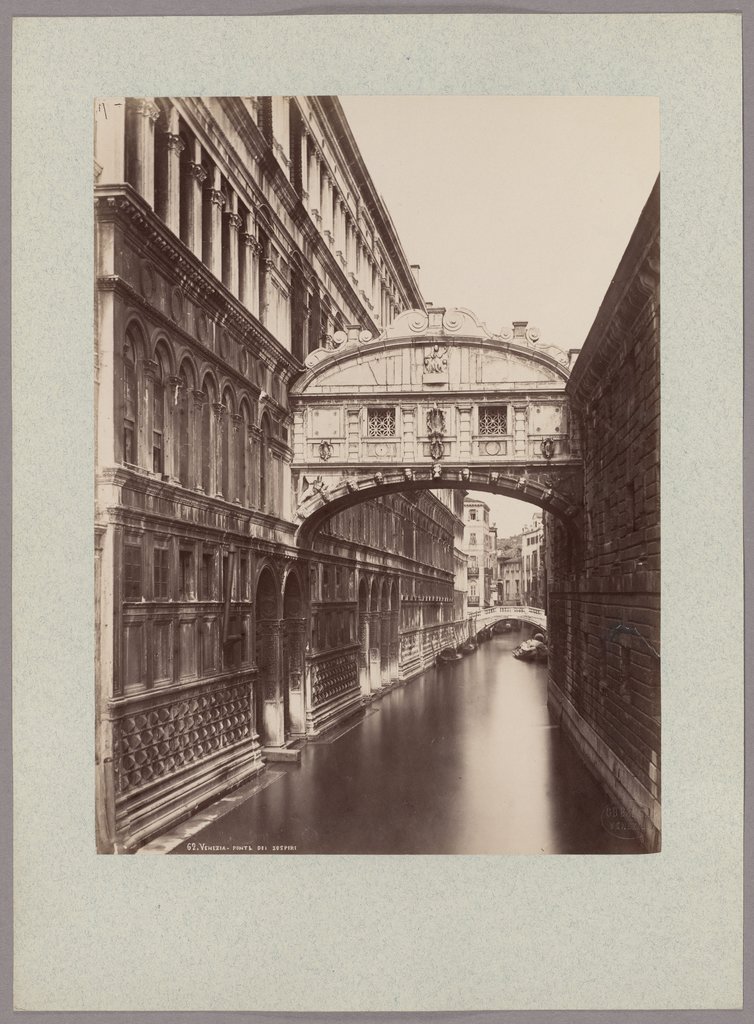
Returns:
(515, 207)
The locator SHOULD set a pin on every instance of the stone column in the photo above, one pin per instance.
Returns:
(214, 259)
(172, 430)
(293, 679)
(149, 372)
(315, 188)
(197, 399)
(216, 447)
(327, 212)
(304, 158)
(364, 654)
(375, 680)
(251, 467)
(385, 649)
(145, 114)
(237, 438)
(175, 148)
(194, 212)
(272, 726)
(251, 253)
(394, 645)
(234, 226)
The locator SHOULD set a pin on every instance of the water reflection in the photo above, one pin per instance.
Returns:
(464, 759)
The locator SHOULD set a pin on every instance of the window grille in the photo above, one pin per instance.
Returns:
(381, 422)
(493, 420)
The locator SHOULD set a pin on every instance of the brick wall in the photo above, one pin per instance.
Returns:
(604, 585)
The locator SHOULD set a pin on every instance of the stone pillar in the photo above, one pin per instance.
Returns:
(251, 253)
(364, 654)
(216, 447)
(234, 226)
(214, 260)
(145, 114)
(173, 199)
(149, 372)
(251, 467)
(194, 212)
(196, 401)
(304, 166)
(237, 439)
(394, 645)
(172, 430)
(385, 648)
(293, 675)
(315, 188)
(375, 680)
(327, 212)
(272, 724)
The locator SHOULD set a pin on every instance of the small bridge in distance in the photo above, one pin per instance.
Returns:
(520, 613)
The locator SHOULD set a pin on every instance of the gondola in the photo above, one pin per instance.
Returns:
(448, 654)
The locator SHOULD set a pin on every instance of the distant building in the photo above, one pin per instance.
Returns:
(480, 545)
(532, 562)
(508, 571)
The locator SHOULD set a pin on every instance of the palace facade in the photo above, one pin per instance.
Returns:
(234, 236)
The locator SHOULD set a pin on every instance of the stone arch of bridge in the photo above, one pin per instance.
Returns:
(543, 490)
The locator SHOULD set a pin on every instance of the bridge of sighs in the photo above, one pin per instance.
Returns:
(435, 401)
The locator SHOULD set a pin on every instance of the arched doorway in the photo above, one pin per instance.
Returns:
(294, 640)
(363, 611)
(270, 715)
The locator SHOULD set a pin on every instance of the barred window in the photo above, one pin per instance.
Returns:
(132, 586)
(380, 422)
(493, 419)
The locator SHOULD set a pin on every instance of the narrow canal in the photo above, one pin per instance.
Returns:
(463, 759)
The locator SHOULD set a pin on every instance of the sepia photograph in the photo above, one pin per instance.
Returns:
(377, 475)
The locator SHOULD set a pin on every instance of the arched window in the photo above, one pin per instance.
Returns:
(130, 401)
(158, 417)
(264, 466)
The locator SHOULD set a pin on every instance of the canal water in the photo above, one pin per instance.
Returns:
(463, 759)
